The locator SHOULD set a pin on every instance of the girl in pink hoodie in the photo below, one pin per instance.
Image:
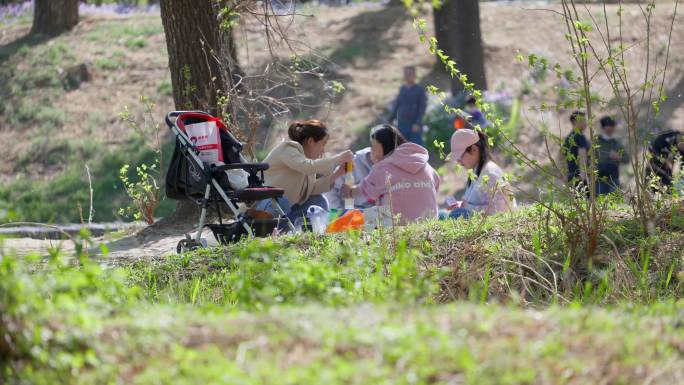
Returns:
(401, 177)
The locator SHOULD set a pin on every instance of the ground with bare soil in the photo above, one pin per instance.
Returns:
(55, 130)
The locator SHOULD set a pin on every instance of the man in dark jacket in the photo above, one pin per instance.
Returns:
(611, 153)
(664, 150)
(409, 107)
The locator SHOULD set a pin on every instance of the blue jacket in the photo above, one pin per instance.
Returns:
(410, 105)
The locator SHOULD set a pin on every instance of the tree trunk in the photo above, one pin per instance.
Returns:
(457, 29)
(201, 59)
(52, 17)
(201, 56)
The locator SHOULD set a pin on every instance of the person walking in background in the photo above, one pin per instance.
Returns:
(362, 167)
(664, 151)
(574, 148)
(611, 153)
(409, 107)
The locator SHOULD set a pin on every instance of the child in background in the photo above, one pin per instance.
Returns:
(295, 166)
(401, 177)
(476, 116)
(489, 193)
(575, 147)
(611, 153)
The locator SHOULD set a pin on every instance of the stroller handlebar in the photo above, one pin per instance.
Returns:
(171, 116)
(243, 166)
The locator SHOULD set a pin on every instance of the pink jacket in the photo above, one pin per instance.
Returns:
(413, 183)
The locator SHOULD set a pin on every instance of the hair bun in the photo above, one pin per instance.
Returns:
(299, 130)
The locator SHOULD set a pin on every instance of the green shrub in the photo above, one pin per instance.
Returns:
(35, 348)
(440, 124)
(73, 321)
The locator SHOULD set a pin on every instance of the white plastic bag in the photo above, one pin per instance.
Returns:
(376, 217)
(319, 219)
(238, 179)
(206, 137)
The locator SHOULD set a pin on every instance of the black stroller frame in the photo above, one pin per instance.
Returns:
(190, 178)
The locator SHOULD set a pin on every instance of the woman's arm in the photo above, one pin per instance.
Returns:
(326, 183)
(298, 162)
(322, 184)
(374, 185)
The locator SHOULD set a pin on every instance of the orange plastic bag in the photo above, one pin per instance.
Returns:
(352, 219)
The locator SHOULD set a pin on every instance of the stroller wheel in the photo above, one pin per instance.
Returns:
(185, 245)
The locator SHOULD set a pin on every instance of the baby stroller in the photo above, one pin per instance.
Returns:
(189, 177)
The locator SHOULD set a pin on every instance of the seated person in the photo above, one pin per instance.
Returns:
(362, 167)
(401, 177)
(295, 166)
(664, 149)
(489, 192)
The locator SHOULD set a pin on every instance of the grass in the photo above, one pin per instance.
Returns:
(57, 199)
(450, 344)
(504, 259)
(165, 88)
(347, 53)
(126, 32)
(49, 182)
(111, 62)
(488, 301)
(259, 275)
(347, 309)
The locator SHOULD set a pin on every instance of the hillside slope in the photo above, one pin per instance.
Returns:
(55, 131)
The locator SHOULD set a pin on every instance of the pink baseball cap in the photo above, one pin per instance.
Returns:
(460, 140)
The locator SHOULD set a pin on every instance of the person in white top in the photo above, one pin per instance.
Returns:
(487, 190)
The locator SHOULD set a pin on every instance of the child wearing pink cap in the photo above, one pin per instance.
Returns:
(489, 192)
(401, 177)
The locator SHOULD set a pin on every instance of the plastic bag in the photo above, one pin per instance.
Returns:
(238, 179)
(377, 216)
(206, 138)
(352, 219)
(319, 219)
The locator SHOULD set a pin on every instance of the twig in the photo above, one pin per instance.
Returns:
(90, 188)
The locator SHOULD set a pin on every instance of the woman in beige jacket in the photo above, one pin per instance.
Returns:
(297, 165)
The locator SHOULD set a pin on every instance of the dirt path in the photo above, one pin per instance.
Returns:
(147, 243)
